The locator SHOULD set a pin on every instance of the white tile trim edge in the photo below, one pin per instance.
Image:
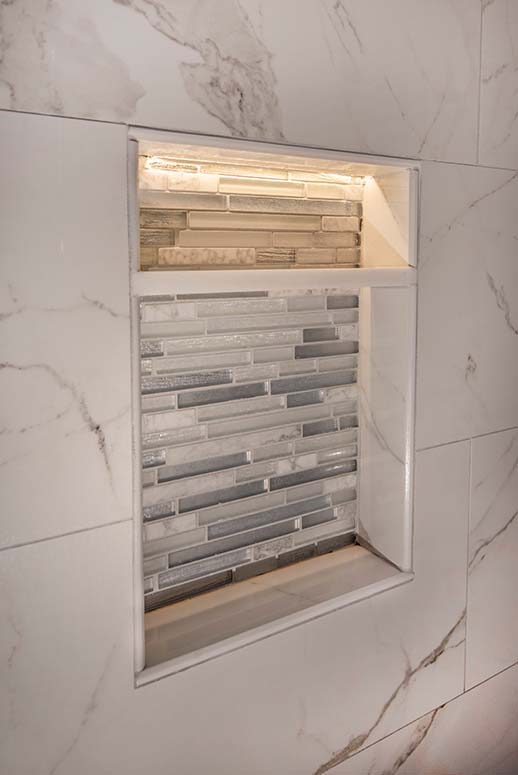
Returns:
(185, 661)
(208, 281)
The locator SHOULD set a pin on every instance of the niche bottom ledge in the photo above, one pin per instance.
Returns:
(197, 630)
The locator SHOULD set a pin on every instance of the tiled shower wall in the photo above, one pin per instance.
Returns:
(250, 434)
(209, 215)
(291, 701)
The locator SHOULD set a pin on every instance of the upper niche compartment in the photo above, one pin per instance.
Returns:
(208, 208)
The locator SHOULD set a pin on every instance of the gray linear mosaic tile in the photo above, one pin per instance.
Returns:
(185, 381)
(168, 438)
(300, 477)
(327, 515)
(322, 426)
(151, 349)
(320, 334)
(184, 488)
(305, 302)
(325, 348)
(234, 443)
(261, 306)
(345, 316)
(237, 408)
(156, 403)
(196, 467)
(305, 398)
(175, 541)
(337, 362)
(200, 397)
(155, 565)
(342, 302)
(174, 328)
(271, 451)
(154, 458)
(268, 517)
(294, 384)
(231, 341)
(211, 498)
(269, 420)
(200, 362)
(197, 569)
(240, 508)
(329, 441)
(273, 354)
(297, 367)
(158, 510)
(249, 432)
(231, 542)
(165, 311)
(262, 322)
(163, 528)
(224, 295)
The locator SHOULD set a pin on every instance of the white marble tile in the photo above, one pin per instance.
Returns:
(498, 143)
(467, 354)
(64, 323)
(66, 646)
(474, 734)
(492, 622)
(362, 76)
(292, 704)
(387, 351)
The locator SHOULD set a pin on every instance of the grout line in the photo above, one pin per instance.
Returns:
(410, 159)
(467, 438)
(470, 476)
(479, 80)
(65, 535)
(437, 707)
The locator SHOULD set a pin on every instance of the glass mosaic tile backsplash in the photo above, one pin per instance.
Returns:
(249, 434)
(202, 215)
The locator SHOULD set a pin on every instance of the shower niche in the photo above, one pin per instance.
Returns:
(274, 309)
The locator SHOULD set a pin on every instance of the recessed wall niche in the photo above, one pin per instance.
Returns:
(275, 298)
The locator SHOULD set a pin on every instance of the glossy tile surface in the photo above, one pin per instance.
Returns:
(387, 358)
(475, 734)
(467, 352)
(498, 143)
(229, 70)
(308, 407)
(64, 375)
(492, 623)
(67, 666)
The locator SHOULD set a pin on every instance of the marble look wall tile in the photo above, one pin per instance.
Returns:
(467, 354)
(236, 68)
(498, 143)
(64, 376)
(335, 685)
(66, 646)
(387, 349)
(475, 734)
(492, 624)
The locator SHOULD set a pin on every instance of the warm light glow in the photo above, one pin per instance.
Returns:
(165, 164)
(171, 164)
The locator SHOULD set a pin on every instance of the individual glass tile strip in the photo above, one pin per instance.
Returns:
(247, 538)
(169, 473)
(211, 498)
(270, 516)
(300, 477)
(200, 397)
(185, 381)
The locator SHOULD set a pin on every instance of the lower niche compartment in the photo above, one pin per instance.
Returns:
(190, 629)
(250, 434)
